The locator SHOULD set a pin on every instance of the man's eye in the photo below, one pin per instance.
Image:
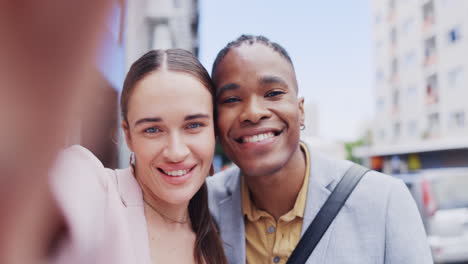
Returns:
(230, 100)
(274, 93)
(152, 130)
(194, 125)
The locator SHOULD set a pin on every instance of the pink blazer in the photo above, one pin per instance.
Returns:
(103, 210)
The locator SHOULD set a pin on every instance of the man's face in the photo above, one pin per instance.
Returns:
(258, 112)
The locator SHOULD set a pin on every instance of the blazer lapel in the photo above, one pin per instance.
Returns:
(132, 199)
(324, 176)
(232, 222)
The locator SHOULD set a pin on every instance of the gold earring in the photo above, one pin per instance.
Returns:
(211, 170)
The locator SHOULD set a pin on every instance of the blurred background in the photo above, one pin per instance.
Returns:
(385, 84)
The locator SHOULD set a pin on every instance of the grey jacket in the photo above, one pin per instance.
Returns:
(378, 224)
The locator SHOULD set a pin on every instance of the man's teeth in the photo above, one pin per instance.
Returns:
(177, 172)
(258, 138)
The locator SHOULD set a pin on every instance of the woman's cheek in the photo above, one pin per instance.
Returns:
(204, 144)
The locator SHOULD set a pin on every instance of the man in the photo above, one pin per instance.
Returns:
(265, 203)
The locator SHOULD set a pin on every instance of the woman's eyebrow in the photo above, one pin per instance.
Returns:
(148, 120)
(196, 116)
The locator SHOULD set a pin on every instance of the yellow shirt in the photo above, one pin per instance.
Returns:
(268, 240)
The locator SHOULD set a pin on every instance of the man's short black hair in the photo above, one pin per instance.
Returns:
(250, 40)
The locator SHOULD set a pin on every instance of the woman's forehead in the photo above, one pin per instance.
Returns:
(169, 93)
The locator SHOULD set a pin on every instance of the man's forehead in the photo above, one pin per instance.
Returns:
(253, 60)
(254, 53)
(252, 56)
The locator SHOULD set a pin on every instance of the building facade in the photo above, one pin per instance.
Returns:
(101, 109)
(421, 85)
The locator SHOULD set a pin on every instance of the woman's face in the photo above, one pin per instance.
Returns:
(170, 130)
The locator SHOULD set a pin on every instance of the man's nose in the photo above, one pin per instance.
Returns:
(254, 111)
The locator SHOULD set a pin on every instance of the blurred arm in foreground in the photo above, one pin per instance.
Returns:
(47, 50)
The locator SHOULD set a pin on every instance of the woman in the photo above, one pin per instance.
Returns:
(156, 211)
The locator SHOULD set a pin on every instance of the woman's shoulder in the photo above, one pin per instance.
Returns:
(77, 154)
(80, 166)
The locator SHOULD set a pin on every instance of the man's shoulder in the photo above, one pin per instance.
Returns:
(223, 183)
(328, 171)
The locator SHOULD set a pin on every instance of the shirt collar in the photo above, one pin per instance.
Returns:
(253, 213)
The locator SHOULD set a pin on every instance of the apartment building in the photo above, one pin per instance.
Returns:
(421, 85)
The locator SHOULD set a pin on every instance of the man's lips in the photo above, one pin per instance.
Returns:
(257, 136)
(176, 172)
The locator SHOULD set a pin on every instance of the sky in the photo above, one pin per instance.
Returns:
(329, 41)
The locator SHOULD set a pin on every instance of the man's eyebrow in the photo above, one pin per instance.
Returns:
(273, 80)
(148, 120)
(196, 116)
(226, 87)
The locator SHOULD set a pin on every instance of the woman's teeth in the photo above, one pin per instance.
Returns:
(176, 172)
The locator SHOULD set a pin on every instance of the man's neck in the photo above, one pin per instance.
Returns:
(277, 193)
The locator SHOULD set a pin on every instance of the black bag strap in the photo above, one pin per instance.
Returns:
(326, 214)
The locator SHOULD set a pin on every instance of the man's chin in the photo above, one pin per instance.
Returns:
(259, 169)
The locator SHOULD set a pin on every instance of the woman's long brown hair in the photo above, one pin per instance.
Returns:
(208, 245)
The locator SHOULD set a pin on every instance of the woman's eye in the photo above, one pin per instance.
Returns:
(194, 125)
(230, 100)
(152, 130)
(274, 93)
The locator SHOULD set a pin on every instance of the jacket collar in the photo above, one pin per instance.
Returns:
(129, 189)
(232, 221)
(325, 173)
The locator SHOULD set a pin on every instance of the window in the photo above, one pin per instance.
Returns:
(396, 130)
(378, 18)
(410, 58)
(378, 44)
(433, 124)
(391, 8)
(457, 120)
(454, 35)
(408, 25)
(380, 104)
(430, 49)
(393, 36)
(381, 134)
(395, 99)
(432, 89)
(428, 12)
(379, 75)
(160, 36)
(394, 66)
(455, 77)
(411, 91)
(413, 128)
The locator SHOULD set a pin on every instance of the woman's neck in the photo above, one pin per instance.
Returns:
(176, 214)
(170, 213)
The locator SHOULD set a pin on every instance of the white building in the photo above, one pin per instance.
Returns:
(421, 82)
(329, 147)
(158, 24)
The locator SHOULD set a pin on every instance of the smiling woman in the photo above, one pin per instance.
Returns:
(156, 211)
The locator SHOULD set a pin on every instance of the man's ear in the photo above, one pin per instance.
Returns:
(128, 137)
(301, 110)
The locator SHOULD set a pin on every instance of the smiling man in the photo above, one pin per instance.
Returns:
(264, 204)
